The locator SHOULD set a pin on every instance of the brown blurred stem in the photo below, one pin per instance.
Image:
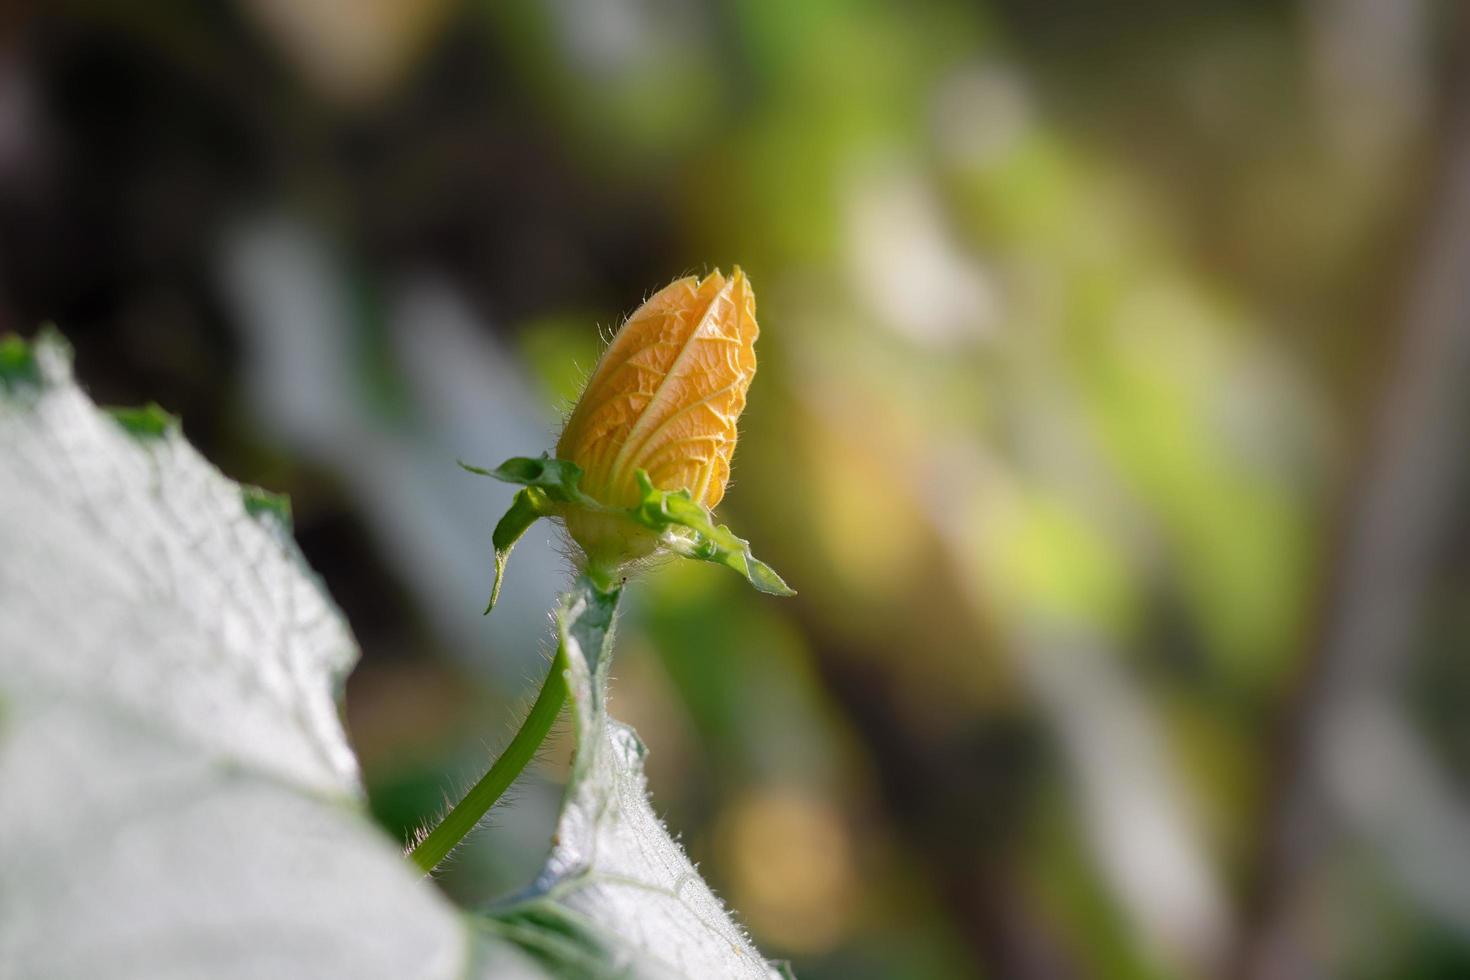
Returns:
(1392, 526)
(960, 804)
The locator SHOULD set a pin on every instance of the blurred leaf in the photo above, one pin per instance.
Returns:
(148, 422)
(262, 503)
(17, 363)
(353, 53)
(627, 85)
(560, 352)
(180, 797)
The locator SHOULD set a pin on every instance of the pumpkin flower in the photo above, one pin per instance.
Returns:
(646, 451)
(644, 456)
(665, 399)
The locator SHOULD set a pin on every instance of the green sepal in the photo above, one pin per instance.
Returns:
(528, 505)
(670, 511)
(558, 479)
(684, 525)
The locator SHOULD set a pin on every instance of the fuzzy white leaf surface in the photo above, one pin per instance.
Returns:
(613, 865)
(177, 796)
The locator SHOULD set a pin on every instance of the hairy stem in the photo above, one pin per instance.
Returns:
(584, 623)
(482, 796)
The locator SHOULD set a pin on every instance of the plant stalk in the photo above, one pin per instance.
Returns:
(482, 796)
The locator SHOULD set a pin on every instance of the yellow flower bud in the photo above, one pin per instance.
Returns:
(664, 398)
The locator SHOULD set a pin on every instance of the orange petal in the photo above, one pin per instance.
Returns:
(667, 393)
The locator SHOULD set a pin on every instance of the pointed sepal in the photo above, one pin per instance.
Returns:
(687, 528)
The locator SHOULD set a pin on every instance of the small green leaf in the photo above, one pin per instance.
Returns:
(566, 943)
(146, 422)
(557, 478)
(689, 530)
(261, 502)
(529, 504)
(18, 364)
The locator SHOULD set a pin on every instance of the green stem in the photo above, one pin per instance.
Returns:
(482, 796)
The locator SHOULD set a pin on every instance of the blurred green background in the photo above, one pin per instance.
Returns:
(1095, 339)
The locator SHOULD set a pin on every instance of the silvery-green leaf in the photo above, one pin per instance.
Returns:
(177, 797)
(618, 896)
